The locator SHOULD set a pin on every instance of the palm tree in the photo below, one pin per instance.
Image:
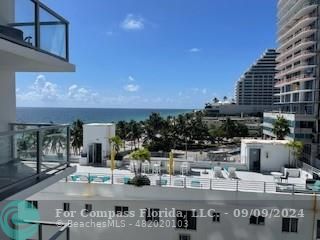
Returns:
(229, 128)
(215, 100)
(116, 143)
(281, 128)
(54, 141)
(122, 129)
(140, 155)
(296, 147)
(77, 136)
(225, 98)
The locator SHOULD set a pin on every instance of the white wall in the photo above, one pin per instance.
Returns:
(273, 156)
(98, 133)
(7, 99)
(106, 197)
(7, 11)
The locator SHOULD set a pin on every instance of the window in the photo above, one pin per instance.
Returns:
(257, 220)
(186, 220)
(152, 214)
(32, 204)
(216, 217)
(121, 211)
(88, 208)
(184, 237)
(66, 207)
(290, 225)
(318, 229)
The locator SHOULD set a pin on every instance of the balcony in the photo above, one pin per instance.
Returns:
(304, 44)
(31, 155)
(303, 55)
(33, 37)
(303, 33)
(301, 23)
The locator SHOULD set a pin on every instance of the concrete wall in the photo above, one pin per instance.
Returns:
(7, 99)
(106, 197)
(7, 11)
(273, 155)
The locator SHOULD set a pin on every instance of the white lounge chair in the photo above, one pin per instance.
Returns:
(218, 172)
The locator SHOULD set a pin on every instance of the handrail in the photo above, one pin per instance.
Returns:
(49, 127)
(192, 182)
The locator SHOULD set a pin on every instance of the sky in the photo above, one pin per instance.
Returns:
(153, 54)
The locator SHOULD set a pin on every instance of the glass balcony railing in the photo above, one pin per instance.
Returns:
(49, 230)
(32, 152)
(37, 26)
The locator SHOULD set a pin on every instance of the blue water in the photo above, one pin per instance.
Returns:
(89, 115)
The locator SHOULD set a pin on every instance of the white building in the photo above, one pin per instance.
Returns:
(298, 73)
(27, 168)
(256, 85)
(98, 134)
(265, 155)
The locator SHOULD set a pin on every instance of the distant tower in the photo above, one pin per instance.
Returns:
(256, 86)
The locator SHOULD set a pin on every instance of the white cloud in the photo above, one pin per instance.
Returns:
(81, 94)
(41, 89)
(132, 22)
(131, 79)
(194, 50)
(131, 87)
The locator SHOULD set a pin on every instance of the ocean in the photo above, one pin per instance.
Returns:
(89, 115)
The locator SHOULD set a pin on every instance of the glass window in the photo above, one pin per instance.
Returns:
(66, 207)
(88, 208)
(152, 214)
(186, 220)
(290, 225)
(216, 217)
(121, 210)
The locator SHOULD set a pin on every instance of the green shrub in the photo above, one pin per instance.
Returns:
(140, 181)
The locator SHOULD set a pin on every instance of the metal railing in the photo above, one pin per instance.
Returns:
(193, 182)
(29, 152)
(40, 28)
(51, 230)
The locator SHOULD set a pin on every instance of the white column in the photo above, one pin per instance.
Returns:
(7, 99)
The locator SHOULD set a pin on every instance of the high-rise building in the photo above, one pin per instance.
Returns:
(298, 76)
(256, 86)
(33, 38)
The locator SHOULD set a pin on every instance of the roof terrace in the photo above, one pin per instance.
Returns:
(227, 179)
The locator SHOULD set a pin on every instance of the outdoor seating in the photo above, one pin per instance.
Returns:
(285, 177)
(145, 168)
(232, 173)
(162, 182)
(74, 178)
(156, 168)
(178, 182)
(92, 178)
(195, 183)
(218, 172)
(184, 168)
(126, 180)
(315, 187)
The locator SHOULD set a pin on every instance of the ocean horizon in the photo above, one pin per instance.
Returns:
(89, 115)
